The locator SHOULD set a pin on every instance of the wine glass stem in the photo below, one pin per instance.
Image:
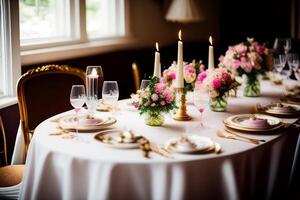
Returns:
(77, 120)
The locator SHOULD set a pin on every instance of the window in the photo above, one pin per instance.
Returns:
(9, 50)
(48, 23)
(104, 18)
(44, 21)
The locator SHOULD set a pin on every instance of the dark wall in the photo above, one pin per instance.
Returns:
(262, 19)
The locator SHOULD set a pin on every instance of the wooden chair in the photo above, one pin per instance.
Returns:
(44, 92)
(10, 175)
(136, 76)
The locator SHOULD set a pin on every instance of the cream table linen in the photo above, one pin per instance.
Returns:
(57, 168)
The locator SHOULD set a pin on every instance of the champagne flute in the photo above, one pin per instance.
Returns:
(287, 45)
(110, 93)
(77, 99)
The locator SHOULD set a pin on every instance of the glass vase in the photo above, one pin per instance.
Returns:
(219, 103)
(251, 86)
(154, 118)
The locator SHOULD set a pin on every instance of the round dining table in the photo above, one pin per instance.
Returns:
(59, 167)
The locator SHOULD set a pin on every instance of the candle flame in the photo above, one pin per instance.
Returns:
(179, 34)
(156, 44)
(210, 40)
(94, 72)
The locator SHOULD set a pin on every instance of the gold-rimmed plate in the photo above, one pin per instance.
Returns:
(115, 138)
(292, 99)
(287, 110)
(236, 122)
(71, 122)
(200, 144)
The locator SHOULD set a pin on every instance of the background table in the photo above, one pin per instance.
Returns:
(57, 168)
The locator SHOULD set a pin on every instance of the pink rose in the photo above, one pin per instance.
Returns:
(153, 104)
(217, 83)
(162, 103)
(202, 76)
(154, 97)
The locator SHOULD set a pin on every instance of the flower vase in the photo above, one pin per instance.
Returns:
(251, 86)
(154, 118)
(219, 103)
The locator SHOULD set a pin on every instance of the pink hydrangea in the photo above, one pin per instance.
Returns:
(235, 64)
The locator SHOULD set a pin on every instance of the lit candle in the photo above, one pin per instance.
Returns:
(210, 55)
(92, 78)
(157, 70)
(179, 72)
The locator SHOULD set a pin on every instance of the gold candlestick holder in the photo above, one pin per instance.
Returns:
(181, 114)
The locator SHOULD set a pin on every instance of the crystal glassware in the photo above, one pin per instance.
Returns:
(144, 84)
(94, 77)
(110, 93)
(77, 99)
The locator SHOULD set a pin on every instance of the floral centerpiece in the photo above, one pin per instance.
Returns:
(246, 59)
(156, 99)
(218, 82)
(190, 73)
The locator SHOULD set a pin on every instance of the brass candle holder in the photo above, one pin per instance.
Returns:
(181, 114)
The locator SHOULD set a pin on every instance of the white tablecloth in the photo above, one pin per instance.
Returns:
(58, 168)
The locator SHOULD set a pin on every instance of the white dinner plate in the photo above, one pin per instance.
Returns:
(70, 122)
(201, 144)
(237, 122)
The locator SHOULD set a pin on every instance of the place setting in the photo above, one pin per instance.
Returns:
(193, 144)
(284, 110)
(128, 139)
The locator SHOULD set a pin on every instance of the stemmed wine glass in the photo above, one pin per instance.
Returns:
(144, 84)
(279, 63)
(198, 98)
(110, 93)
(293, 61)
(282, 45)
(77, 99)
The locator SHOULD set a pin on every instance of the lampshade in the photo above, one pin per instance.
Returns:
(183, 11)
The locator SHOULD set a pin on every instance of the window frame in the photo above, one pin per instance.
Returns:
(11, 46)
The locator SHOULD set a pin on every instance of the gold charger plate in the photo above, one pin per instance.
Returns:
(292, 99)
(70, 122)
(235, 122)
(295, 112)
(111, 138)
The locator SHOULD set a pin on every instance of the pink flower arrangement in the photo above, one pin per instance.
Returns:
(157, 97)
(191, 72)
(218, 81)
(244, 58)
